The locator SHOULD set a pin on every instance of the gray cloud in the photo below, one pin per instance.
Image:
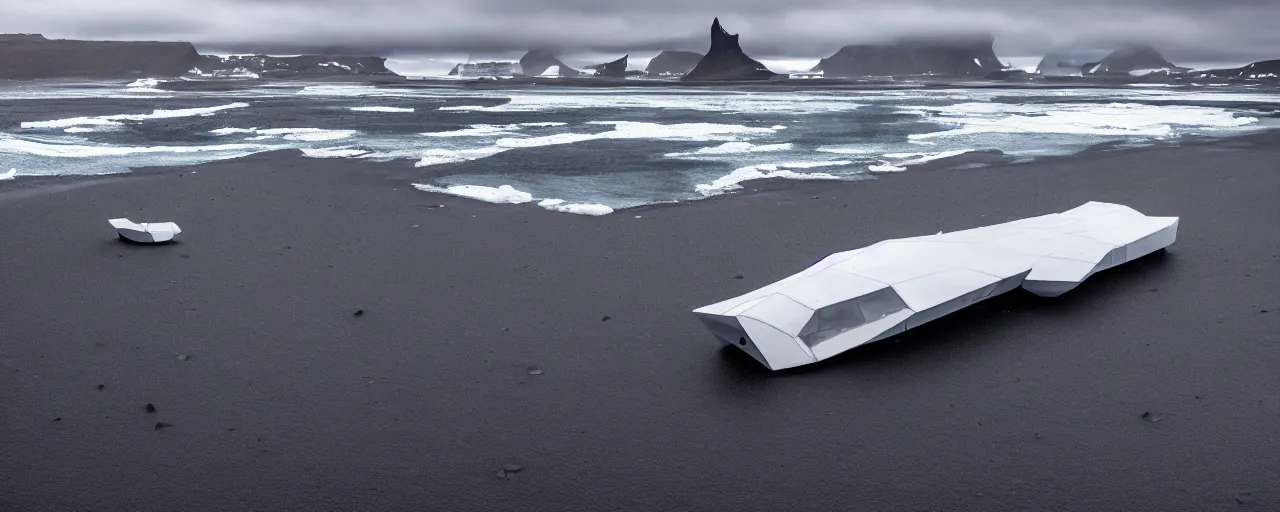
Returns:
(1183, 29)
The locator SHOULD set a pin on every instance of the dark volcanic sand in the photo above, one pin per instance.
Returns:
(291, 402)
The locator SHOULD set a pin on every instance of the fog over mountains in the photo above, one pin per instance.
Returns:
(1184, 30)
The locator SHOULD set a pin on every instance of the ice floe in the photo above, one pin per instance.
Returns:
(8, 175)
(733, 180)
(500, 194)
(85, 129)
(697, 132)
(114, 120)
(382, 109)
(476, 130)
(561, 205)
(733, 148)
(438, 156)
(294, 134)
(10, 144)
(338, 152)
(145, 85)
(1113, 119)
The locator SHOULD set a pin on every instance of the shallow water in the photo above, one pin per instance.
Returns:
(597, 148)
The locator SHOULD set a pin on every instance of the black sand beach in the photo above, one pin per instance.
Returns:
(1153, 387)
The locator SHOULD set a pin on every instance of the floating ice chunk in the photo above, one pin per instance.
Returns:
(309, 134)
(501, 194)
(147, 85)
(84, 129)
(229, 131)
(476, 130)
(338, 152)
(69, 122)
(885, 168)
(548, 140)
(733, 180)
(8, 175)
(560, 205)
(20, 146)
(462, 108)
(1114, 119)
(730, 148)
(846, 150)
(920, 158)
(297, 134)
(438, 156)
(147, 232)
(852, 298)
(381, 109)
(113, 120)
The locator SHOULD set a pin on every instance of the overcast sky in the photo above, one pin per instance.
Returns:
(1183, 29)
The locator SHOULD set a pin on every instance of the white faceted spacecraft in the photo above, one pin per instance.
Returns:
(147, 232)
(856, 297)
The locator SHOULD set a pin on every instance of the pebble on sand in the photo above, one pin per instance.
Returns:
(606, 318)
(535, 370)
(162, 425)
(151, 408)
(101, 387)
(359, 312)
(184, 357)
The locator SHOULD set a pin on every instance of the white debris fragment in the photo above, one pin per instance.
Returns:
(147, 232)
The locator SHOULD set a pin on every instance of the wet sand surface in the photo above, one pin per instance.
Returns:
(1151, 387)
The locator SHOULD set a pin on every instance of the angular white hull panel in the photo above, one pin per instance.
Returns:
(147, 232)
(857, 297)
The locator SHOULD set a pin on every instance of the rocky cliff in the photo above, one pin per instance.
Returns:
(537, 62)
(726, 61)
(302, 66)
(1069, 62)
(963, 58)
(615, 69)
(1267, 69)
(1131, 58)
(29, 56)
(479, 69)
(670, 63)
